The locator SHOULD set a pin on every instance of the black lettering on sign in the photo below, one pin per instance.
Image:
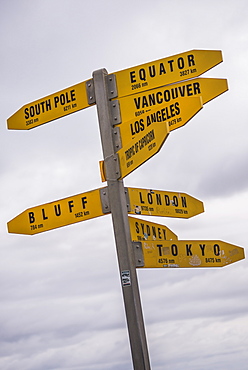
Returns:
(142, 74)
(84, 202)
(149, 198)
(216, 249)
(210, 260)
(153, 70)
(141, 200)
(184, 203)
(137, 126)
(31, 217)
(64, 98)
(167, 200)
(180, 63)
(162, 69)
(150, 136)
(137, 227)
(163, 114)
(175, 201)
(188, 249)
(57, 209)
(143, 229)
(162, 96)
(43, 214)
(174, 250)
(191, 60)
(171, 65)
(160, 246)
(71, 205)
(202, 246)
(37, 109)
(130, 152)
(147, 231)
(79, 214)
(158, 199)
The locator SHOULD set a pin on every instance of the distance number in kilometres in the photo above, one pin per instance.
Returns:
(188, 71)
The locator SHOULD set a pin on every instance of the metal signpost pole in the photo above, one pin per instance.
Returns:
(118, 207)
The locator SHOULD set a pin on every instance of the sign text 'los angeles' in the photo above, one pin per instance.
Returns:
(176, 114)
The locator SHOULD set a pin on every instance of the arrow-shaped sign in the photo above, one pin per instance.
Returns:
(59, 213)
(49, 108)
(134, 106)
(186, 253)
(163, 203)
(145, 230)
(166, 71)
(176, 114)
(146, 144)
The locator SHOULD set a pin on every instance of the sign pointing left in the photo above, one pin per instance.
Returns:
(59, 213)
(49, 108)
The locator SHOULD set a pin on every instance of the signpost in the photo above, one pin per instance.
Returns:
(152, 101)
(166, 71)
(134, 106)
(144, 230)
(59, 213)
(49, 108)
(175, 114)
(163, 203)
(186, 253)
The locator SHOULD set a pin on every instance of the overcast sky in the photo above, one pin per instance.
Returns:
(61, 299)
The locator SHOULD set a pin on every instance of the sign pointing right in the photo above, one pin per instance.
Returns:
(187, 253)
(150, 202)
(176, 114)
(166, 71)
(135, 106)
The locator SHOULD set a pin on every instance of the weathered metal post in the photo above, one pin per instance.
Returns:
(118, 207)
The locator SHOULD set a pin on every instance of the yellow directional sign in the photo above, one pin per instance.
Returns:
(189, 253)
(144, 230)
(49, 108)
(176, 114)
(163, 203)
(166, 71)
(146, 144)
(134, 106)
(59, 213)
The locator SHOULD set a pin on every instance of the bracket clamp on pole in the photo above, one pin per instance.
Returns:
(104, 195)
(90, 91)
(127, 199)
(112, 86)
(115, 112)
(112, 167)
(138, 254)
